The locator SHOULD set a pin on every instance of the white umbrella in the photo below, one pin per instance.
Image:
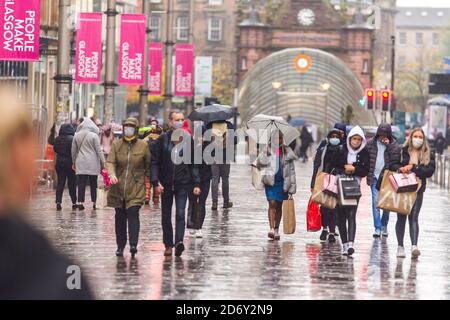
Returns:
(263, 126)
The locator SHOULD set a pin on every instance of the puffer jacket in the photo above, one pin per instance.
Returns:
(167, 173)
(130, 163)
(391, 154)
(266, 161)
(87, 153)
(63, 146)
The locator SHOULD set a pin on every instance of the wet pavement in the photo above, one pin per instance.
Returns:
(235, 260)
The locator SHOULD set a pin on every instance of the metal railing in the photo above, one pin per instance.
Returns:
(441, 176)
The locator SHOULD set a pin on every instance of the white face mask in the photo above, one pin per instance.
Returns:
(417, 143)
(178, 124)
(129, 132)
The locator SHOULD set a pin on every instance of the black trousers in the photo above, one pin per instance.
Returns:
(204, 187)
(347, 215)
(127, 218)
(329, 218)
(66, 174)
(413, 219)
(83, 180)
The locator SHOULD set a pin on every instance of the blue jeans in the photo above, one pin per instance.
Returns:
(181, 195)
(378, 223)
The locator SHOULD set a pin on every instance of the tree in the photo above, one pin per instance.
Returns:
(347, 114)
(223, 83)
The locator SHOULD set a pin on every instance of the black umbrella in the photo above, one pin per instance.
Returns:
(213, 113)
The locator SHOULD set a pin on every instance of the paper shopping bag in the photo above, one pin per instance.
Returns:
(289, 216)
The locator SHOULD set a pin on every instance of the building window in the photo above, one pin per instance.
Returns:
(435, 40)
(215, 29)
(401, 62)
(215, 2)
(365, 68)
(155, 1)
(244, 64)
(182, 1)
(155, 26)
(419, 39)
(403, 38)
(182, 28)
(217, 61)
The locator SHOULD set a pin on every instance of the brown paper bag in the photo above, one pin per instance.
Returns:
(289, 216)
(319, 197)
(390, 200)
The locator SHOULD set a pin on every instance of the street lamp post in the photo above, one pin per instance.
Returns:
(276, 85)
(326, 87)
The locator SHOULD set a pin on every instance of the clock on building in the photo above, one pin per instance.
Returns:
(306, 17)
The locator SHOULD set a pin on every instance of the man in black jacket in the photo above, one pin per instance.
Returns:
(63, 150)
(174, 181)
(384, 154)
(441, 143)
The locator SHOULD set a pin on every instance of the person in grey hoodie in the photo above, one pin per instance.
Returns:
(88, 159)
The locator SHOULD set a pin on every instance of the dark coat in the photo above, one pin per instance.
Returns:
(339, 160)
(30, 269)
(168, 173)
(330, 153)
(423, 172)
(391, 157)
(441, 144)
(63, 146)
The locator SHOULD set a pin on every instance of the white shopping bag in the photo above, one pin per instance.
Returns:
(102, 198)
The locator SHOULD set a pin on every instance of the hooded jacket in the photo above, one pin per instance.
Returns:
(130, 163)
(330, 152)
(391, 154)
(87, 154)
(63, 146)
(360, 158)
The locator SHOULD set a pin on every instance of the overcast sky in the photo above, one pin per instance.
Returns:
(423, 3)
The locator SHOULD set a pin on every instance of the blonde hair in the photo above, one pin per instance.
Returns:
(15, 122)
(424, 151)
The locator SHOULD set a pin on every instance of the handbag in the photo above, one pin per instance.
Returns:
(330, 185)
(390, 200)
(319, 197)
(313, 217)
(102, 198)
(257, 177)
(289, 216)
(404, 182)
(196, 214)
(349, 191)
(106, 180)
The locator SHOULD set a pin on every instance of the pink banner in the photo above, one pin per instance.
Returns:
(132, 49)
(184, 70)
(155, 62)
(89, 48)
(19, 30)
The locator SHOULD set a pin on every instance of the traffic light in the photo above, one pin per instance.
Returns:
(370, 99)
(386, 98)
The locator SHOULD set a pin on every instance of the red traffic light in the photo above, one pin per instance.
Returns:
(386, 100)
(370, 99)
(370, 93)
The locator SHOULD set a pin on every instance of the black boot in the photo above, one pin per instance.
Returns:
(214, 206)
(58, 207)
(74, 207)
(133, 251)
(119, 252)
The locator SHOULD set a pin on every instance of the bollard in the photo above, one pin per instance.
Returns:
(443, 169)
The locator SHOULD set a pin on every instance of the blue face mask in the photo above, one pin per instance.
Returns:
(335, 141)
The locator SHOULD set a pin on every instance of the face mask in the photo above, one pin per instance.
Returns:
(335, 141)
(417, 143)
(178, 125)
(129, 132)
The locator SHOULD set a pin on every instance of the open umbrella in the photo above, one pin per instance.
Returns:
(268, 124)
(213, 113)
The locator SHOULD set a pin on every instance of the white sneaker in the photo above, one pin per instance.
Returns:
(192, 232)
(401, 252)
(345, 249)
(199, 234)
(415, 252)
(384, 232)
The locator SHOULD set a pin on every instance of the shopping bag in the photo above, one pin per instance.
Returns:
(289, 216)
(102, 198)
(349, 191)
(313, 217)
(196, 213)
(330, 185)
(404, 182)
(319, 197)
(257, 178)
(390, 200)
